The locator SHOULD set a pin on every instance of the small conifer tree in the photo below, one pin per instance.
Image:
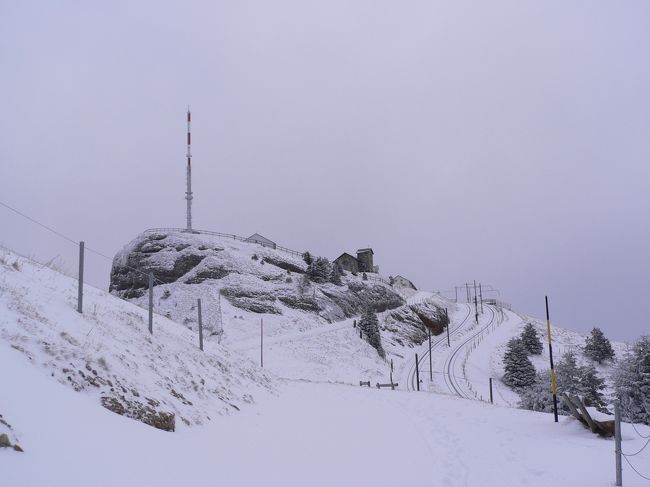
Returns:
(632, 383)
(335, 275)
(519, 371)
(598, 346)
(531, 340)
(369, 325)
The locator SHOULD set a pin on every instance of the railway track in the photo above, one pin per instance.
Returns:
(411, 384)
(451, 380)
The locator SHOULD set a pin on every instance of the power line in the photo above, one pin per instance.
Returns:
(637, 432)
(642, 448)
(71, 240)
(632, 467)
(39, 223)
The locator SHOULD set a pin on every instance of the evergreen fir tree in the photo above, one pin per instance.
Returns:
(369, 325)
(519, 371)
(591, 386)
(632, 383)
(567, 374)
(598, 347)
(364, 276)
(319, 270)
(307, 258)
(335, 275)
(531, 340)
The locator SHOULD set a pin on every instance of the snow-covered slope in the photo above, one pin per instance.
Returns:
(107, 352)
(311, 434)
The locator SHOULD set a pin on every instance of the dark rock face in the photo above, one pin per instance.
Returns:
(411, 324)
(360, 296)
(129, 279)
(146, 413)
(300, 302)
(210, 273)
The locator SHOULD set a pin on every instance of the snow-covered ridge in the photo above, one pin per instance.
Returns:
(161, 379)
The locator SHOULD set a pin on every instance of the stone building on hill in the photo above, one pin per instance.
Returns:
(363, 262)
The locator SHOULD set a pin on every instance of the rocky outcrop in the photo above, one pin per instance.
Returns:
(250, 277)
(410, 324)
(7, 436)
(147, 413)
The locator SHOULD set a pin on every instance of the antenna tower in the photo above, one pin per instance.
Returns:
(188, 192)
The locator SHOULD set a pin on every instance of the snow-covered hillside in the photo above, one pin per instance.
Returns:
(107, 352)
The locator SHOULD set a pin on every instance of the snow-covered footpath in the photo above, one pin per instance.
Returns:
(286, 432)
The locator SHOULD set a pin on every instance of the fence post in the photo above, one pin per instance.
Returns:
(80, 295)
(417, 372)
(491, 398)
(151, 303)
(200, 325)
(617, 442)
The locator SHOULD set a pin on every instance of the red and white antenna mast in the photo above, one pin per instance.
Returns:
(188, 193)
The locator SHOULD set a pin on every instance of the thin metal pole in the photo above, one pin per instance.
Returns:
(456, 291)
(151, 303)
(80, 295)
(200, 325)
(430, 363)
(262, 342)
(448, 324)
(417, 372)
(491, 398)
(617, 438)
(550, 355)
(475, 304)
(480, 290)
(467, 289)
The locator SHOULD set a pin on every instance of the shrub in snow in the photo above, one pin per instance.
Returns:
(254, 257)
(598, 347)
(307, 258)
(538, 396)
(369, 325)
(365, 276)
(531, 340)
(519, 371)
(632, 383)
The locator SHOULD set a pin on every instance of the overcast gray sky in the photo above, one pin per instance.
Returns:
(503, 141)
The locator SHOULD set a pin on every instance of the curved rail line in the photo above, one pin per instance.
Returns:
(411, 382)
(450, 379)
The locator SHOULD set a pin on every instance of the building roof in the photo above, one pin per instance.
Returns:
(343, 254)
(256, 237)
(361, 251)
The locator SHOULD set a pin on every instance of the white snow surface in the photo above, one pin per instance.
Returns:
(314, 429)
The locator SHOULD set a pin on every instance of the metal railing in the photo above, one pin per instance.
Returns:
(232, 236)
